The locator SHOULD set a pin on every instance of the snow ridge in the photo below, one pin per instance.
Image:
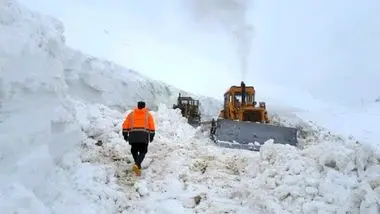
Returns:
(41, 99)
(104, 82)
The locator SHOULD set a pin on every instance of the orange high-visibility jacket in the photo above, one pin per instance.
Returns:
(140, 126)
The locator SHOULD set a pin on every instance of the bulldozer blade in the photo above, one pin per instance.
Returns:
(229, 145)
(193, 122)
(250, 136)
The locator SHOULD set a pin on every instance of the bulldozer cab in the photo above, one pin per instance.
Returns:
(237, 99)
(189, 108)
(189, 105)
(240, 104)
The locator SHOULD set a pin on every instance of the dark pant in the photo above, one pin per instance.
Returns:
(139, 151)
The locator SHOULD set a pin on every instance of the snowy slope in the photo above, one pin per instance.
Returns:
(85, 77)
(104, 82)
(61, 148)
(359, 123)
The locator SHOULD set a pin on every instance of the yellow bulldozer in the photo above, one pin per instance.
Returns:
(244, 124)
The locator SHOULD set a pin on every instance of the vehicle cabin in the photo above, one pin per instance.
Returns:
(187, 101)
(240, 96)
(188, 105)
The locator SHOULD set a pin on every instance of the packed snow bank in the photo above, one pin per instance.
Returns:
(41, 114)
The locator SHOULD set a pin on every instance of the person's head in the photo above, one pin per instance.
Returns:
(140, 104)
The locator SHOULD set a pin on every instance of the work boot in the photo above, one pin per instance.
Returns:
(136, 170)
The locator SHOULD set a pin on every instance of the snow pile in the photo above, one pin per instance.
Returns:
(309, 133)
(325, 178)
(38, 174)
(42, 112)
(185, 173)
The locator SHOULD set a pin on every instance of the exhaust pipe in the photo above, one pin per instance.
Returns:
(242, 85)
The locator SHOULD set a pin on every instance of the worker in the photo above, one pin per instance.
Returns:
(213, 127)
(139, 130)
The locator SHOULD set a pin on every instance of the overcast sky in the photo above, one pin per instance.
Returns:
(328, 48)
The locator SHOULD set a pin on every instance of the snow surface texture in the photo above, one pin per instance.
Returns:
(61, 147)
(184, 173)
